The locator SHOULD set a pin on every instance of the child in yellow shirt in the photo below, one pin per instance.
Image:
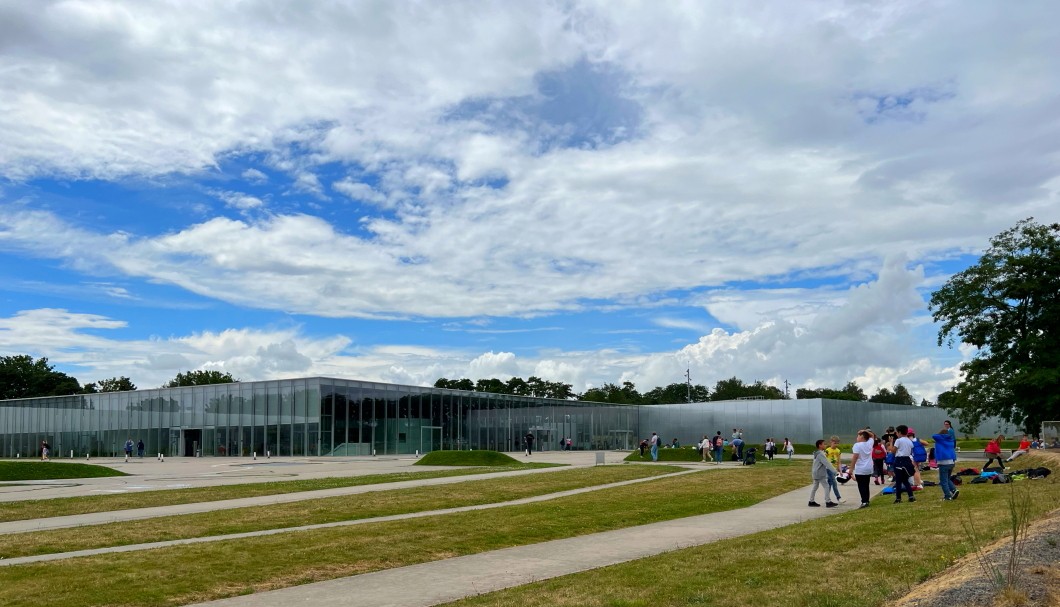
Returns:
(833, 453)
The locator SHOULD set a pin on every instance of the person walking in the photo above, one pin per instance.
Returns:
(993, 451)
(903, 464)
(128, 448)
(140, 448)
(771, 448)
(719, 448)
(654, 443)
(861, 463)
(529, 440)
(45, 450)
(705, 448)
(946, 457)
(790, 448)
(819, 474)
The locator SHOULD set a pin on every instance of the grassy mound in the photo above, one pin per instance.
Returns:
(31, 470)
(467, 458)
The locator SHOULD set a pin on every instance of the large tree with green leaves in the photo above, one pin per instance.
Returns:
(1007, 305)
(200, 378)
(677, 393)
(23, 377)
(734, 388)
(851, 391)
(114, 384)
(898, 396)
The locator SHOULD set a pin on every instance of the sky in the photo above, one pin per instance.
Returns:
(588, 192)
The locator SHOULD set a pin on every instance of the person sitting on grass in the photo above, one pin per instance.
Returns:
(1025, 445)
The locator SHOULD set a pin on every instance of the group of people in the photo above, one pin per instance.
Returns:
(897, 454)
(712, 448)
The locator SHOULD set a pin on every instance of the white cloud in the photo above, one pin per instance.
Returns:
(238, 200)
(358, 191)
(254, 176)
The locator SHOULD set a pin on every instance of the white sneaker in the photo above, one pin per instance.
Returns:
(842, 500)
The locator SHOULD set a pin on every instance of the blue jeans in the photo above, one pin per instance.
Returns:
(945, 472)
(718, 454)
(655, 452)
(833, 485)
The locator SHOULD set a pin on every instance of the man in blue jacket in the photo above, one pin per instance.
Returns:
(946, 457)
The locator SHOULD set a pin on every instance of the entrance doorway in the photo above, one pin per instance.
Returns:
(192, 442)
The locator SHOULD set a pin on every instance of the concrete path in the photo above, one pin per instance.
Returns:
(451, 579)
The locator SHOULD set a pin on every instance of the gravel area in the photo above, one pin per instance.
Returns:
(966, 584)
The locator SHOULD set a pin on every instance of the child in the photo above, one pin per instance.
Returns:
(833, 453)
(819, 473)
(879, 454)
(993, 451)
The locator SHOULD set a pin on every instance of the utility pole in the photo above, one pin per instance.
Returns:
(786, 393)
(688, 383)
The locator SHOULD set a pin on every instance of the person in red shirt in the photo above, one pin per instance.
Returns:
(993, 451)
(1025, 445)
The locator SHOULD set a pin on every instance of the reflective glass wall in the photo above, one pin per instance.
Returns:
(320, 416)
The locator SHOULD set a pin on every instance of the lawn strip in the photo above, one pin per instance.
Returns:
(47, 508)
(30, 470)
(317, 511)
(863, 557)
(185, 574)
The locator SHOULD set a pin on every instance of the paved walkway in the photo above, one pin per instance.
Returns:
(451, 579)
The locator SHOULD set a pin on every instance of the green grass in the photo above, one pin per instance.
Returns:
(35, 470)
(318, 511)
(862, 557)
(186, 574)
(30, 509)
(468, 458)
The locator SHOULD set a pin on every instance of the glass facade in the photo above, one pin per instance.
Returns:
(309, 416)
(336, 417)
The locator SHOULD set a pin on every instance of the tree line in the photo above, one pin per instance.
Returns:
(22, 376)
(627, 393)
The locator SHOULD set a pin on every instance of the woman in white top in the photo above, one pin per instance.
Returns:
(790, 448)
(861, 463)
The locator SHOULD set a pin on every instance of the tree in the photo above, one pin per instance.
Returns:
(898, 396)
(23, 377)
(1007, 306)
(114, 384)
(200, 378)
(851, 391)
(677, 393)
(733, 388)
(626, 394)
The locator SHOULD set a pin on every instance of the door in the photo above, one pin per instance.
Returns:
(192, 442)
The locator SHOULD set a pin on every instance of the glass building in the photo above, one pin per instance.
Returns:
(334, 417)
(308, 416)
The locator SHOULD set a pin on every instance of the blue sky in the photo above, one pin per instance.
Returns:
(581, 191)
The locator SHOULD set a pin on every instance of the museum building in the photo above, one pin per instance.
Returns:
(320, 416)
